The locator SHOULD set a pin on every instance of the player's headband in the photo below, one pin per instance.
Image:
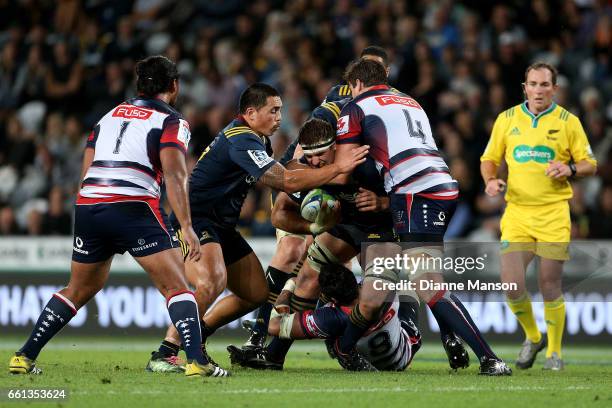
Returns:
(319, 147)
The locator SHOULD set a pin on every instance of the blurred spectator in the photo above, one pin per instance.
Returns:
(462, 60)
(601, 220)
(8, 225)
(57, 221)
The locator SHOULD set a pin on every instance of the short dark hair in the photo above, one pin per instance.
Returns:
(338, 282)
(543, 65)
(369, 72)
(154, 75)
(316, 133)
(256, 96)
(376, 51)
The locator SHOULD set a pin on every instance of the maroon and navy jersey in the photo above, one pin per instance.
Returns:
(387, 344)
(401, 142)
(127, 142)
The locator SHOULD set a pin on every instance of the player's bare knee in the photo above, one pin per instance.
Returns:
(293, 254)
(79, 296)
(208, 289)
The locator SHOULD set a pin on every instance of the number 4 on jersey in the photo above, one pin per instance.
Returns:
(124, 126)
(418, 133)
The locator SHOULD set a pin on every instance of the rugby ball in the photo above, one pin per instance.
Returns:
(313, 202)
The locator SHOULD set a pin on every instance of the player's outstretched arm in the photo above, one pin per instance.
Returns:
(342, 151)
(291, 181)
(175, 174)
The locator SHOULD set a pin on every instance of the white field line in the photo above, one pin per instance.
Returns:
(219, 345)
(328, 390)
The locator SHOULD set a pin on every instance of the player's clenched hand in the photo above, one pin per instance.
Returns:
(326, 218)
(192, 241)
(495, 186)
(558, 170)
(367, 200)
(354, 157)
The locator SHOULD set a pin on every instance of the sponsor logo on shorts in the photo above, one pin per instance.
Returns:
(441, 218)
(144, 246)
(78, 244)
(539, 154)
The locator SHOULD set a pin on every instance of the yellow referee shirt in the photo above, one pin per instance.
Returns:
(528, 142)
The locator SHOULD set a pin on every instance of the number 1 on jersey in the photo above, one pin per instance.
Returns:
(124, 126)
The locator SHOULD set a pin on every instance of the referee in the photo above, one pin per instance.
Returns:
(544, 146)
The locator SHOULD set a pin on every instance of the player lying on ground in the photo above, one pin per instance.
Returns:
(420, 186)
(130, 151)
(390, 344)
(237, 158)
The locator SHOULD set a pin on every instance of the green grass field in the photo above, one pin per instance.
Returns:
(100, 372)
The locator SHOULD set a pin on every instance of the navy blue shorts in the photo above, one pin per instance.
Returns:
(104, 229)
(233, 245)
(421, 219)
(326, 322)
(355, 235)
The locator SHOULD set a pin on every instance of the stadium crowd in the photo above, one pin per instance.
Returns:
(63, 64)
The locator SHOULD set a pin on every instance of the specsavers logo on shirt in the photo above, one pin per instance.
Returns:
(539, 154)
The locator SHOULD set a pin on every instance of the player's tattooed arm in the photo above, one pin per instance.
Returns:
(274, 177)
(291, 181)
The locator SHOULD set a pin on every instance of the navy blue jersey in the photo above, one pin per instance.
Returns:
(337, 92)
(342, 91)
(225, 172)
(366, 176)
(327, 111)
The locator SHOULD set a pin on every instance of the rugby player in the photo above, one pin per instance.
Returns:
(131, 151)
(389, 345)
(363, 219)
(236, 159)
(420, 186)
(291, 246)
(307, 288)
